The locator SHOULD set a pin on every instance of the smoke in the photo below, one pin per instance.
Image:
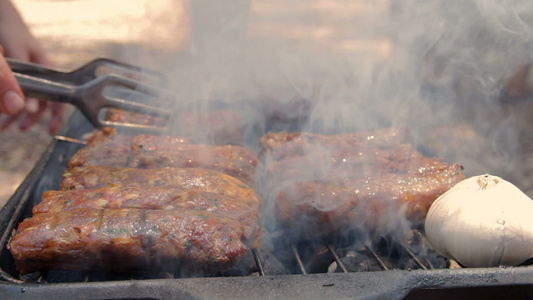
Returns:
(350, 66)
(344, 66)
(333, 67)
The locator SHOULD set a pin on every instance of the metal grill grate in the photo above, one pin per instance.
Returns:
(383, 254)
(307, 257)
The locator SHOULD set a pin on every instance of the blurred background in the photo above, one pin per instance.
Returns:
(437, 66)
(74, 32)
(149, 33)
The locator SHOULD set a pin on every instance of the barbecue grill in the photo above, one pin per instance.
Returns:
(308, 269)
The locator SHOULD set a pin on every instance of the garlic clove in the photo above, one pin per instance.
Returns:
(483, 221)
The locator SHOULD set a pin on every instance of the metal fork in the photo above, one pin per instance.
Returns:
(85, 88)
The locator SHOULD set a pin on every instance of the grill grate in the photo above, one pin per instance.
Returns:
(381, 254)
(337, 259)
(308, 257)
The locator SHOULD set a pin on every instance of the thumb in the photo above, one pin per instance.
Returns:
(11, 96)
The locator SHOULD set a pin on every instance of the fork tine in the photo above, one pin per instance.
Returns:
(113, 102)
(113, 79)
(90, 70)
(89, 96)
(125, 128)
(136, 88)
(97, 100)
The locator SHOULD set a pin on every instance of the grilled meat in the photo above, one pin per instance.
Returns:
(232, 160)
(351, 163)
(246, 210)
(369, 202)
(370, 181)
(155, 143)
(125, 219)
(106, 148)
(107, 134)
(127, 239)
(280, 145)
(187, 178)
(122, 116)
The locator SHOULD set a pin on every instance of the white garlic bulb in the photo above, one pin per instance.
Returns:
(483, 221)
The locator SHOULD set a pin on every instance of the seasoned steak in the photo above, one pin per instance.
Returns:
(279, 145)
(150, 153)
(206, 180)
(106, 148)
(122, 240)
(322, 163)
(369, 202)
(122, 116)
(375, 181)
(245, 210)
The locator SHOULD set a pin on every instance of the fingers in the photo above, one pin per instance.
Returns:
(28, 120)
(17, 51)
(38, 56)
(11, 96)
(31, 119)
(11, 103)
(32, 105)
(58, 113)
(28, 111)
(8, 121)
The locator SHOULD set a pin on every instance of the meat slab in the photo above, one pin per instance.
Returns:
(351, 163)
(124, 219)
(246, 209)
(284, 144)
(369, 202)
(104, 147)
(367, 181)
(107, 148)
(186, 178)
(123, 240)
(151, 153)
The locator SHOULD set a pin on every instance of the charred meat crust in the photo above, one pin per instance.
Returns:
(365, 202)
(233, 160)
(246, 210)
(279, 145)
(103, 147)
(208, 180)
(351, 163)
(127, 239)
(106, 148)
(150, 220)
(319, 184)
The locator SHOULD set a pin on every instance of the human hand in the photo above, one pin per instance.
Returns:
(11, 96)
(20, 44)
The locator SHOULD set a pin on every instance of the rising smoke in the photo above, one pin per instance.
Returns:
(344, 66)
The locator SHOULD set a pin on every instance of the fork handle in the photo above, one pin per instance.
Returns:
(45, 89)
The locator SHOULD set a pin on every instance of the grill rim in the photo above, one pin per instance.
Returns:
(363, 285)
(392, 284)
